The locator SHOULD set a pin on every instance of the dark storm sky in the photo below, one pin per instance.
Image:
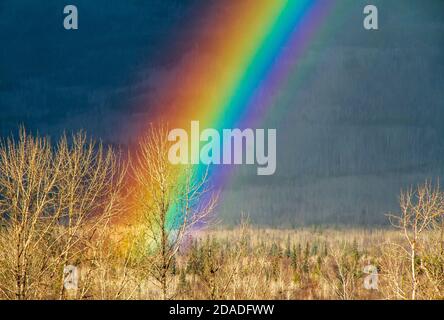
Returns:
(366, 121)
(51, 78)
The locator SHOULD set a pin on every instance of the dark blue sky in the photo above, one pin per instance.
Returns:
(49, 77)
(52, 79)
(366, 121)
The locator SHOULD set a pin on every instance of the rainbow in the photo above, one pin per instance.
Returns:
(232, 77)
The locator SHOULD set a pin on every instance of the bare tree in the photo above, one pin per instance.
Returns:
(344, 278)
(54, 203)
(171, 200)
(221, 269)
(28, 177)
(90, 193)
(420, 210)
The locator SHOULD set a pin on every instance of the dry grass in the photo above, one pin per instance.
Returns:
(250, 263)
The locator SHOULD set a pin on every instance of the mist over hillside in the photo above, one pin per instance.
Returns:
(365, 122)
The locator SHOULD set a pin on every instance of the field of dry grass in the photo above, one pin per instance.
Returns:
(251, 263)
